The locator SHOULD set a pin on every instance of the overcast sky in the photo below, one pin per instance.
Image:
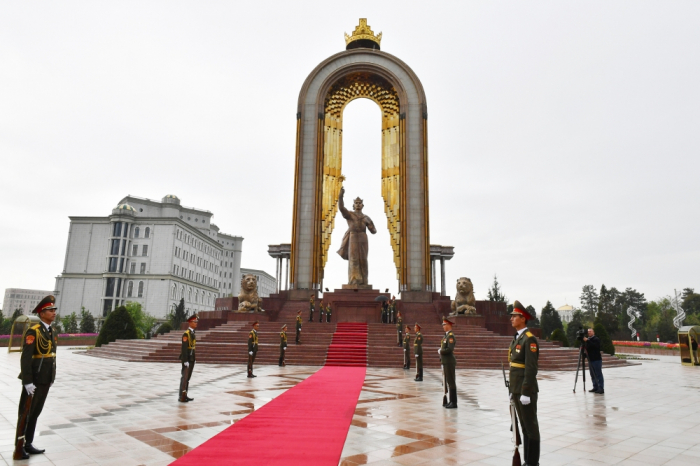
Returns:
(564, 137)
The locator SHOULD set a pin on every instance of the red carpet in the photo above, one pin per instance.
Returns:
(305, 426)
(348, 346)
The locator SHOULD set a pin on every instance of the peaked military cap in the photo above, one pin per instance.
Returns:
(519, 310)
(45, 304)
(445, 320)
(255, 323)
(418, 325)
(283, 327)
(193, 317)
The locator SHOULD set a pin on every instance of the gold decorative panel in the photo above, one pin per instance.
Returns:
(347, 89)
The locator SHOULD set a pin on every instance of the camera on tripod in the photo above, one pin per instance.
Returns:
(581, 333)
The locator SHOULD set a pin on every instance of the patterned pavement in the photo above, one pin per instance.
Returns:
(111, 412)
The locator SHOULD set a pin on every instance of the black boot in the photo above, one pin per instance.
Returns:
(526, 446)
(444, 400)
(23, 455)
(420, 376)
(29, 448)
(453, 399)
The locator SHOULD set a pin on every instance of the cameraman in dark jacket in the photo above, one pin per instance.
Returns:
(595, 361)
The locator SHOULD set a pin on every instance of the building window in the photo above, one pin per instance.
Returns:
(130, 289)
(174, 292)
(132, 267)
(144, 251)
(140, 290)
(137, 230)
(175, 269)
(147, 233)
(143, 267)
(189, 295)
(134, 249)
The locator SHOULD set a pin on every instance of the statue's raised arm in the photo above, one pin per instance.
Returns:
(341, 204)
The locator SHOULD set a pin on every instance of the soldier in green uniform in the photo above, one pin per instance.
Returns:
(298, 326)
(322, 311)
(283, 344)
(252, 348)
(418, 351)
(407, 348)
(399, 327)
(187, 358)
(449, 364)
(38, 372)
(311, 308)
(328, 313)
(392, 310)
(523, 355)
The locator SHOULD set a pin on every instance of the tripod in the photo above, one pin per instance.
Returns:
(582, 356)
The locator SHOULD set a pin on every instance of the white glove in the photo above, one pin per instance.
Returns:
(439, 352)
(418, 355)
(250, 352)
(284, 349)
(404, 350)
(187, 364)
(525, 400)
(30, 387)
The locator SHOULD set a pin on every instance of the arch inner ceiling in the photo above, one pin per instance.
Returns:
(346, 89)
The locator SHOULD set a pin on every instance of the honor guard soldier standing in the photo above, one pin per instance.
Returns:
(38, 372)
(407, 348)
(392, 309)
(449, 364)
(418, 351)
(252, 348)
(328, 313)
(298, 326)
(311, 309)
(322, 311)
(283, 344)
(399, 327)
(187, 357)
(522, 356)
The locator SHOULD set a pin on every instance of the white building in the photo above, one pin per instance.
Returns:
(266, 282)
(150, 252)
(19, 298)
(566, 313)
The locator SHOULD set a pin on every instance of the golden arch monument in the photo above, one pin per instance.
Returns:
(361, 71)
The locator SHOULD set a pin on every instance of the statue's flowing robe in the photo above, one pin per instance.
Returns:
(355, 247)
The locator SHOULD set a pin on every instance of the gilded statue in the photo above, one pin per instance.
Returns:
(355, 247)
(248, 299)
(464, 302)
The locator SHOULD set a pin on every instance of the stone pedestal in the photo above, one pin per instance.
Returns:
(357, 287)
(463, 320)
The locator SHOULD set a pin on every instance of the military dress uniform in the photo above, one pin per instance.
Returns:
(252, 350)
(328, 313)
(298, 328)
(311, 309)
(187, 355)
(283, 344)
(449, 366)
(322, 311)
(399, 329)
(38, 367)
(523, 355)
(418, 351)
(407, 351)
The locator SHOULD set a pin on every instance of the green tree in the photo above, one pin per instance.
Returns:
(691, 302)
(163, 328)
(119, 325)
(144, 322)
(70, 323)
(532, 323)
(609, 309)
(589, 301)
(626, 299)
(87, 321)
(179, 315)
(550, 320)
(559, 335)
(606, 344)
(495, 293)
(659, 321)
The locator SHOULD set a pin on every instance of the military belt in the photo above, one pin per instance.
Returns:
(518, 365)
(42, 356)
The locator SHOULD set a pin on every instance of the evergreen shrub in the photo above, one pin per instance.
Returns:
(559, 335)
(606, 344)
(164, 328)
(119, 325)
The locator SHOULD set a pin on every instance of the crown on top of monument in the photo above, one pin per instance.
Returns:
(361, 35)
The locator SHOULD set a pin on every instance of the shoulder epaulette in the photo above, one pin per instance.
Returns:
(530, 335)
(451, 334)
(36, 326)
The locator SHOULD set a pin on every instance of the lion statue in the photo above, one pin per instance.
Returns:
(248, 299)
(464, 302)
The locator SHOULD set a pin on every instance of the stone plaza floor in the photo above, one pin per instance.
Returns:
(109, 412)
